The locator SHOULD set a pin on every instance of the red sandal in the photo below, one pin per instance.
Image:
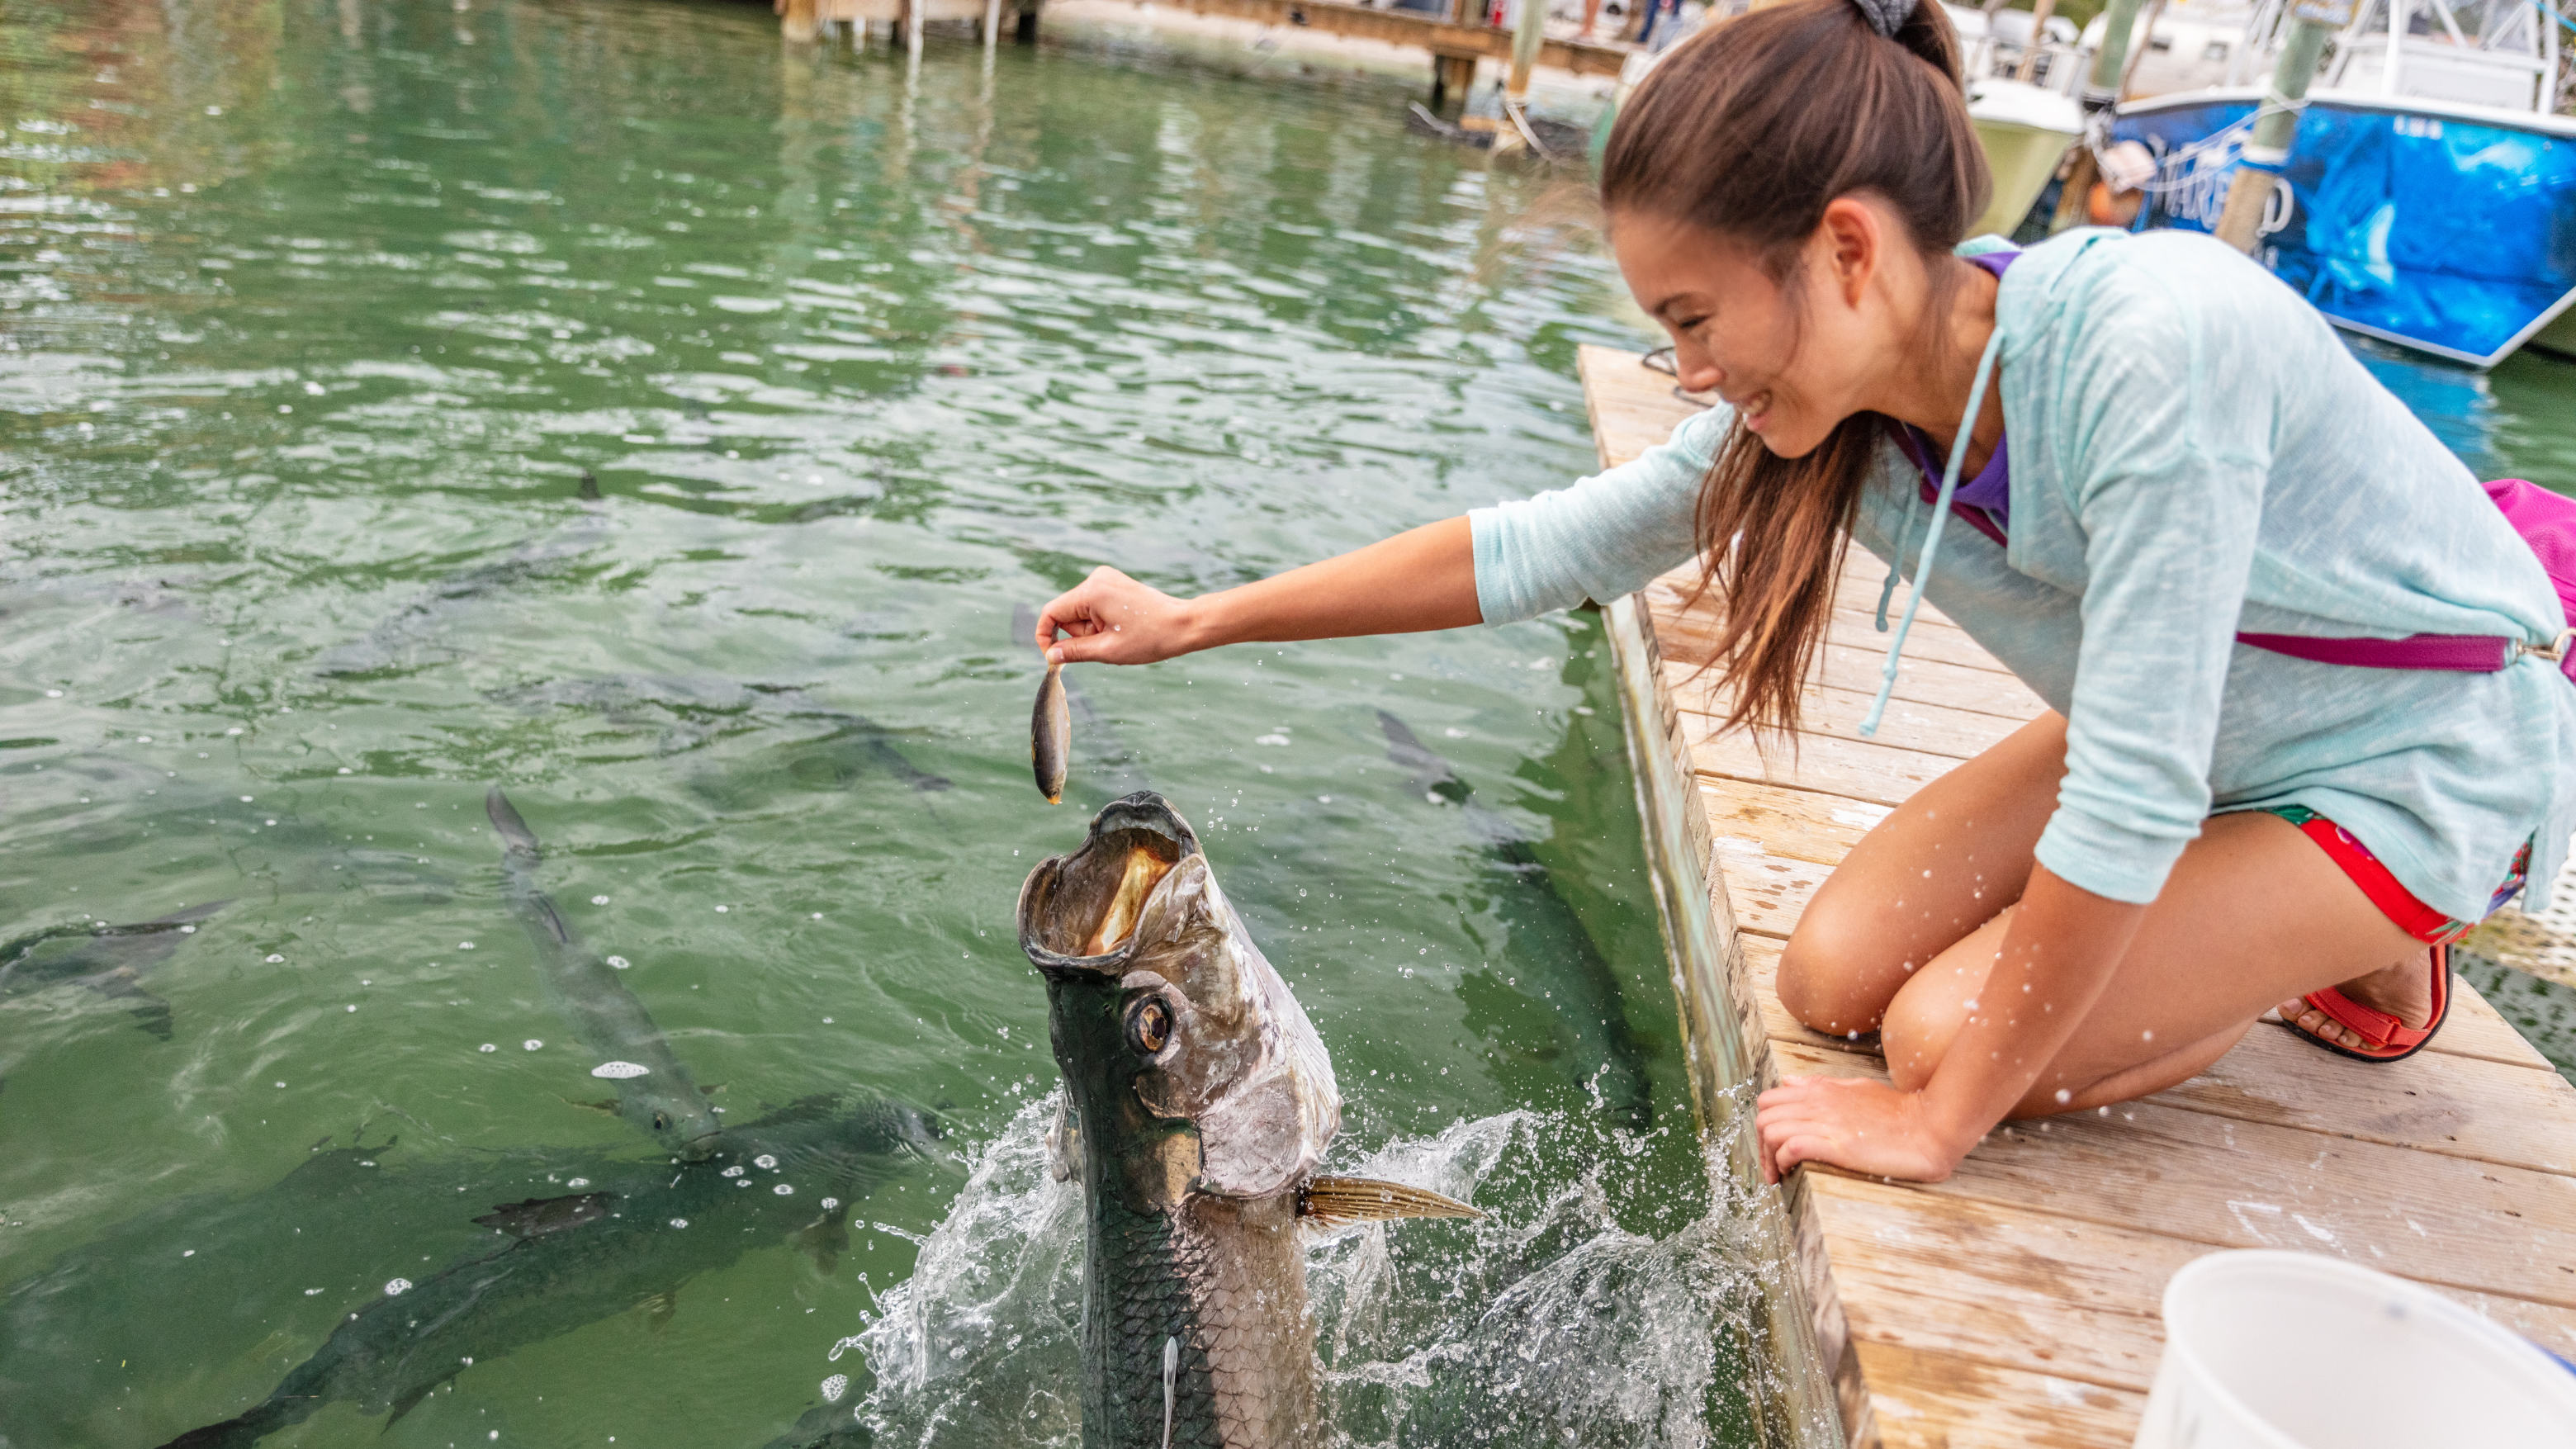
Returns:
(2384, 1037)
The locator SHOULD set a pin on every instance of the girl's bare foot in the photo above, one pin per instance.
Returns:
(2404, 991)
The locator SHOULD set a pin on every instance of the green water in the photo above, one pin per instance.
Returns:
(312, 317)
(316, 314)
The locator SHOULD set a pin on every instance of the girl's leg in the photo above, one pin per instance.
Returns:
(1938, 867)
(2253, 914)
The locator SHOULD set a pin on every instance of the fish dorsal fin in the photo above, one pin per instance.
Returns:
(1334, 1201)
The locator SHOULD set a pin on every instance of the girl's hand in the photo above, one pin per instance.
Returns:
(1110, 618)
(1860, 1126)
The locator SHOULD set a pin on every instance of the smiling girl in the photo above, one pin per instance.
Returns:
(2148, 444)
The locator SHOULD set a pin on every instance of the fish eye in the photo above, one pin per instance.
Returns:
(661, 1121)
(1149, 1026)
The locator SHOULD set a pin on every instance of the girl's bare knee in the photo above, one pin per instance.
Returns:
(1829, 976)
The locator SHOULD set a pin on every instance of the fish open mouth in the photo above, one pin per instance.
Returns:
(1079, 910)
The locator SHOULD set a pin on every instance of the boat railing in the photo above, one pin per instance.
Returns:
(2058, 66)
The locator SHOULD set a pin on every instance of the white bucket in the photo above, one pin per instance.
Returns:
(2267, 1350)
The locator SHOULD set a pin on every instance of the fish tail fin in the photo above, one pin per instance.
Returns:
(516, 837)
(1335, 1201)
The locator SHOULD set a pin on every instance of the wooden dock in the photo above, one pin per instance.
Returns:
(2017, 1304)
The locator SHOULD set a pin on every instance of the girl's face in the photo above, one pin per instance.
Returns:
(1793, 357)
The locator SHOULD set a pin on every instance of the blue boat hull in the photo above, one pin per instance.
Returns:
(2447, 232)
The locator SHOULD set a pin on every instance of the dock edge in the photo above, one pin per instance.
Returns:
(1810, 1386)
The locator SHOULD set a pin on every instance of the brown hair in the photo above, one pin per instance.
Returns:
(1748, 130)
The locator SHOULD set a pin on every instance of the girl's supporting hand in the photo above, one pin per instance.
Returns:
(1110, 618)
(1859, 1125)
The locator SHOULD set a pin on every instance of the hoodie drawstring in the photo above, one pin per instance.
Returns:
(1931, 535)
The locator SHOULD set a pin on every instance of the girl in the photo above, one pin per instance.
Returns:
(2154, 445)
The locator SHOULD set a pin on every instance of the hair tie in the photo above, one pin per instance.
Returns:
(1886, 16)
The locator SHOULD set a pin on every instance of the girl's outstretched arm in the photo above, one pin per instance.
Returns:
(1424, 578)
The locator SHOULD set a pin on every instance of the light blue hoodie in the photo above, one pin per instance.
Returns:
(2194, 452)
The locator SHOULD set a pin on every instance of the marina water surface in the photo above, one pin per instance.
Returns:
(674, 429)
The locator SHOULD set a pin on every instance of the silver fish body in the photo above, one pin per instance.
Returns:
(1051, 735)
(611, 1023)
(1203, 1101)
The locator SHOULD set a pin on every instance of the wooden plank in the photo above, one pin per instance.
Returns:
(1841, 666)
(2025, 1290)
(1922, 1400)
(2507, 1231)
(1857, 769)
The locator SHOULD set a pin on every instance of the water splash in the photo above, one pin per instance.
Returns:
(1549, 1323)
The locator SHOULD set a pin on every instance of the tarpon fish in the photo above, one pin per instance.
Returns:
(660, 1098)
(110, 960)
(1582, 989)
(1199, 1103)
(561, 1262)
(1051, 735)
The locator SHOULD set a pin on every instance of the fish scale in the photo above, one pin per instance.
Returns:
(1247, 1370)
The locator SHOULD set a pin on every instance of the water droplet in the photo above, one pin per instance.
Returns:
(345, 770)
(464, 945)
(782, 1189)
(620, 962)
(353, 1010)
(187, 1252)
(736, 1170)
(679, 1222)
(765, 1162)
(599, 900)
(396, 1287)
(618, 1071)
(572, 1182)
(487, 1047)
(245, 799)
(532, 1044)
(720, 910)
(53, 694)
(830, 1203)
(274, 959)
(834, 1387)
(311, 1292)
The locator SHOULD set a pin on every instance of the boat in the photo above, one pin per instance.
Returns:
(2021, 98)
(2429, 199)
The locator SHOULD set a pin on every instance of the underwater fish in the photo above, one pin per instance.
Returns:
(661, 1099)
(109, 960)
(1582, 991)
(423, 631)
(1051, 735)
(1200, 1103)
(634, 1239)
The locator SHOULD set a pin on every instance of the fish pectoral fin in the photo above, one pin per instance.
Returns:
(659, 1308)
(596, 1104)
(824, 1240)
(410, 1400)
(1334, 1201)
